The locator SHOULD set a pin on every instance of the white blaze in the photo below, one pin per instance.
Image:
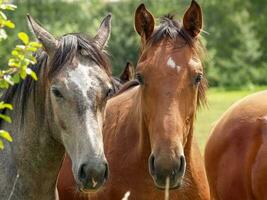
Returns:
(172, 64)
(80, 78)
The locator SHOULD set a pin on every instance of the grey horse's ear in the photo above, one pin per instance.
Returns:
(103, 33)
(48, 41)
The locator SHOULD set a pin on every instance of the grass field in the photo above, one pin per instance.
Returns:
(218, 102)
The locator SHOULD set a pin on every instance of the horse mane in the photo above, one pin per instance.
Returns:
(69, 46)
(127, 86)
(170, 28)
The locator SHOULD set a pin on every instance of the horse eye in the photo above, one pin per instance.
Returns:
(57, 93)
(110, 93)
(198, 78)
(139, 78)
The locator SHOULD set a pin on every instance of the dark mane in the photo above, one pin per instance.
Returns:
(127, 86)
(170, 28)
(69, 46)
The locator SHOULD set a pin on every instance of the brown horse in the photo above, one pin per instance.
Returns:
(148, 128)
(235, 155)
(126, 75)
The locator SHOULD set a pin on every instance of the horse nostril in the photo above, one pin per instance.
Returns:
(106, 171)
(82, 173)
(182, 165)
(152, 164)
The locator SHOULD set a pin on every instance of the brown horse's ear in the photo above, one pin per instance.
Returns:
(192, 20)
(144, 22)
(45, 38)
(128, 73)
(103, 33)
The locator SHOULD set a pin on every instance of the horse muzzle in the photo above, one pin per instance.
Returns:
(92, 175)
(162, 170)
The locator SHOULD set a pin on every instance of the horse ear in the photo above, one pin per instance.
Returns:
(128, 72)
(144, 22)
(45, 38)
(192, 20)
(103, 33)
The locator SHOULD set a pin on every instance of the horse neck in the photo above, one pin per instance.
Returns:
(36, 156)
(189, 141)
(194, 161)
(140, 135)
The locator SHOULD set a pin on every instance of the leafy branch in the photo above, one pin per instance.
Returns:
(17, 68)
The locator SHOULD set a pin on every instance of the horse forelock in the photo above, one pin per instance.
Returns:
(70, 45)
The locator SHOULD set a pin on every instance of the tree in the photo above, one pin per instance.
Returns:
(17, 67)
(233, 45)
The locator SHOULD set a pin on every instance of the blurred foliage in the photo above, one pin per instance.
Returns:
(236, 42)
(17, 67)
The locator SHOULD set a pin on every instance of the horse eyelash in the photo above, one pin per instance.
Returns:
(198, 78)
(139, 78)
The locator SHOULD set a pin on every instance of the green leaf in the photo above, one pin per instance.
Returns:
(3, 15)
(3, 84)
(33, 59)
(27, 61)
(6, 118)
(1, 145)
(8, 6)
(35, 44)
(9, 24)
(28, 71)
(15, 53)
(16, 78)
(3, 34)
(33, 49)
(6, 135)
(13, 62)
(20, 47)
(23, 74)
(32, 73)
(6, 105)
(23, 37)
(8, 79)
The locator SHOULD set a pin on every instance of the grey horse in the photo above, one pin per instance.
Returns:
(62, 112)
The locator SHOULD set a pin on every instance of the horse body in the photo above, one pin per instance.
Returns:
(60, 112)
(26, 169)
(235, 155)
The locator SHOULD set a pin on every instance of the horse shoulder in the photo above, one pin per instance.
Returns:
(232, 147)
(237, 117)
(259, 166)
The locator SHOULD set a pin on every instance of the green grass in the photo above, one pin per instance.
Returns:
(219, 101)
